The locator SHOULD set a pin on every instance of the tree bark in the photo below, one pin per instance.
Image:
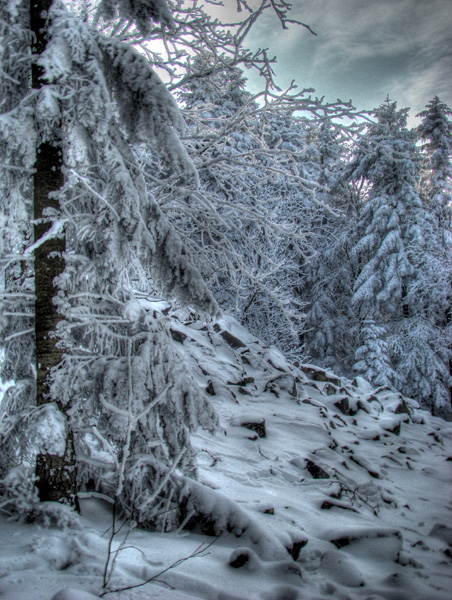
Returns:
(57, 474)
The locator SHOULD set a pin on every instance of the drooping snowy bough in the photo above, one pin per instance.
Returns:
(116, 390)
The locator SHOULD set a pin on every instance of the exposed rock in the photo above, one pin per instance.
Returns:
(275, 366)
(242, 382)
(343, 541)
(178, 336)
(295, 548)
(258, 427)
(319, 375)
(283, 382)
(237, 561)
(362, 463)
(245, 361)
(362, 406)
(315, 471)
(243, 391)
(210, 389)
(330, 389)
(394, 428)
(344, 406)
(232, 340)
(436, 437)
(402, 408)
(245, 557)
(269, 511)
(272, 387)
(355, 535)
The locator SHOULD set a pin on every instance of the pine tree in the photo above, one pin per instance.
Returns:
(328, 276)
(435, 132)
(390, 222)
(97, 233)
(396, 258)
(372, 357)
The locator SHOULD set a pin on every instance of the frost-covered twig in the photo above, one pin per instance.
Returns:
(110, 564)
(199, 552)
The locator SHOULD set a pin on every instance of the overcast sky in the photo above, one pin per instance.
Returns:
(366, 49)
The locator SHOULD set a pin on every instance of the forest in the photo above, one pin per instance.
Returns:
(180, 255)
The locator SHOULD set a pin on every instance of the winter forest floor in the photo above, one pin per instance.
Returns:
(331, 490)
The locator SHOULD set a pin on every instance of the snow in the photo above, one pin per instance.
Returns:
(263, 525)
(49, 428)
(73, 594)
(3, 388)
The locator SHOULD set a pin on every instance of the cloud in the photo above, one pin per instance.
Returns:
(366, 49)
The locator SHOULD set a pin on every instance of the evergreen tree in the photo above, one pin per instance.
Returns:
(372, 357)
(331, 325)
(435, 132)
(328, 276)
(391, 220)
(69, 170)
(396, 258)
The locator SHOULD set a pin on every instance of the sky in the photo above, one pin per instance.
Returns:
(364, 50)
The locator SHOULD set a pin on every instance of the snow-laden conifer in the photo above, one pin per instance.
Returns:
(435, 132)
(397, 258)
(372, 357)
(391, 219)
(327, 278)
(120, 389)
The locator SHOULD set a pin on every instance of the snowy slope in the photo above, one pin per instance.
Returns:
(313, 488)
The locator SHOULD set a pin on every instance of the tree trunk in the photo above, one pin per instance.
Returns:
(57, 474)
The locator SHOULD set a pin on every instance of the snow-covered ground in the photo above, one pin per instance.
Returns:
(317, 488)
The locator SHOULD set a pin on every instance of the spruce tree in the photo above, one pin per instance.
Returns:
(435, 133)
(395, 256)
(372, 357)
(328, 276)
(80, 234)
(390, 223)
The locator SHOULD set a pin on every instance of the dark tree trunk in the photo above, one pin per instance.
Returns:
(57, 474)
